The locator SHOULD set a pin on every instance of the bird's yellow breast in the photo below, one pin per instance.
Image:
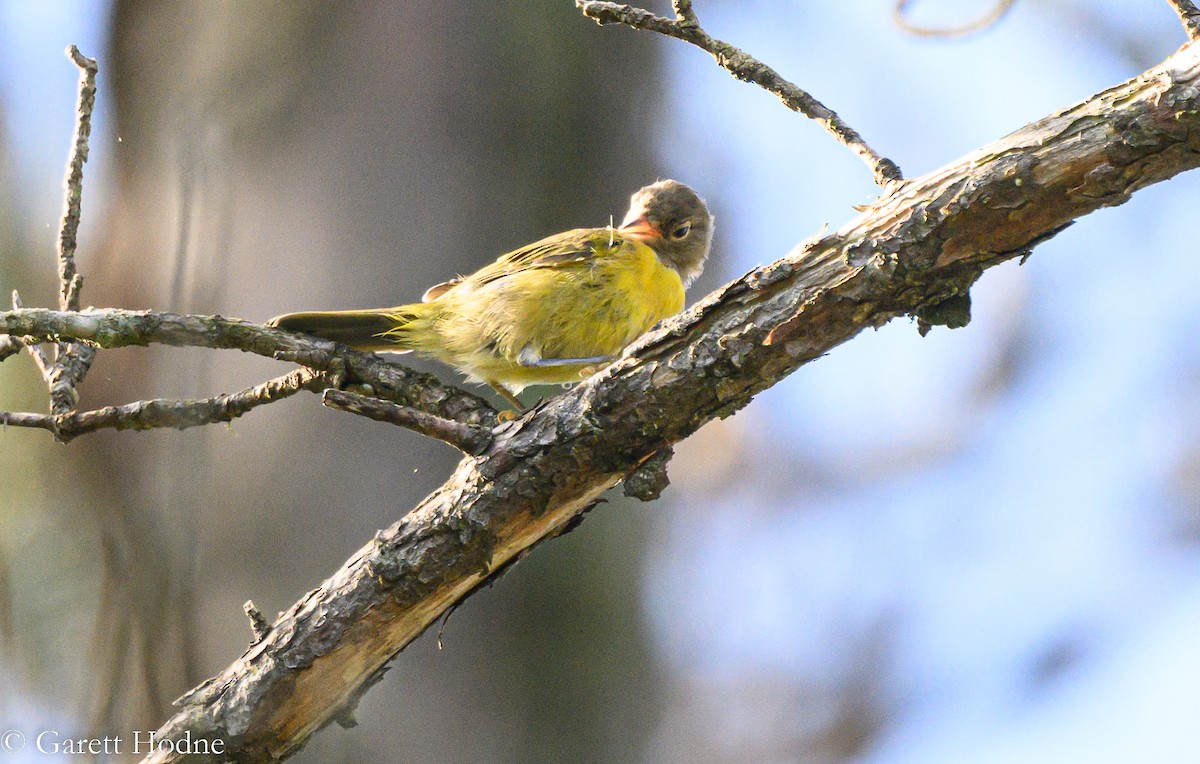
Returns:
(586, 307)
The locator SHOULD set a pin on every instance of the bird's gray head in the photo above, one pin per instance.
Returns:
(675, 222)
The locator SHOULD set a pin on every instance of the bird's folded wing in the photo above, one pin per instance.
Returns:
(564, 250)
(568, 249)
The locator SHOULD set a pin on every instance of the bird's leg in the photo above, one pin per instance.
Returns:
(529, 360)
(509, 415)
(550, 363)
(589, 366)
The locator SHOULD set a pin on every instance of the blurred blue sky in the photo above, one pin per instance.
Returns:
(33, 38)
(996, 507)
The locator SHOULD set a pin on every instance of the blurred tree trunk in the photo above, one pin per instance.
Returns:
(279, 156)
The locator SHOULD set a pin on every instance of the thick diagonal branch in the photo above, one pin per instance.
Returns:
(916, 249)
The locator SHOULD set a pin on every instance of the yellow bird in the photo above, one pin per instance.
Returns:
(550, 311)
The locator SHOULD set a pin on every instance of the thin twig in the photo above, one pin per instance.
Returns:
(36, 351)
(10, 345)
(69, 232)
(167, 413)
(467, 438)
(73, 360)
(1189, 14)
(112, 328)
(994, 15)
(745, 67)
(26, 419)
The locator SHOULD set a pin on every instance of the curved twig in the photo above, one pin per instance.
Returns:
(745, 67)
(36, 352)
(469, 439)
(112, 328)
(997, 12)
(174, 414)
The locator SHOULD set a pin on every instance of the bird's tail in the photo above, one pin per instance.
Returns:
(389, 329)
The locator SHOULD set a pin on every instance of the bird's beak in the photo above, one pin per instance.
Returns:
(640, 229)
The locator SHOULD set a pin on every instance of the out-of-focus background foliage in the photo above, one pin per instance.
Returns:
(979, 546)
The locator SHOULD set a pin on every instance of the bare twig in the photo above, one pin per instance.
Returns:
(26, 419)
(994, 15)
(111, 328)
(469, 439)
(10, 345)
(70, 283)
(73, 360)
(745, 67)
(1189, 14)
(166, 413)
(36, 352)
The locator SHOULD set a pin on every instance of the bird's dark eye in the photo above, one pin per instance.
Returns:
(681, 231)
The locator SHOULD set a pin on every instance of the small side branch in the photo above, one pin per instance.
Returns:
(1189, 14)
(26, 419)
(469, 439)
(69, 278)
(73, 360)
(685, 26)
(167, 413)
(998, 11)
(112, 328)
(259, 626)
(43, 362)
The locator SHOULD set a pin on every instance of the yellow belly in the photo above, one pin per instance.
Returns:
(492, 331)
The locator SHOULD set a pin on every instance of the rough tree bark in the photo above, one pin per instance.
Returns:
(916, 250)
